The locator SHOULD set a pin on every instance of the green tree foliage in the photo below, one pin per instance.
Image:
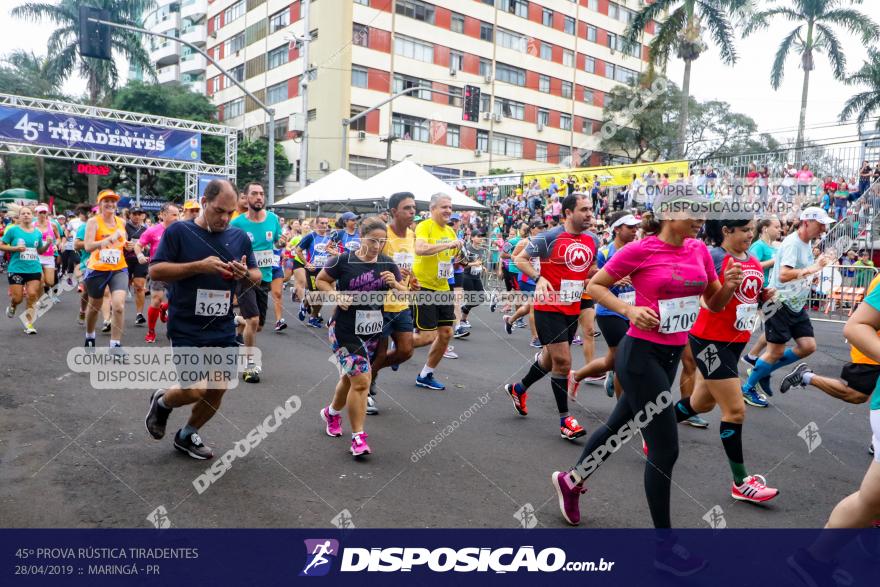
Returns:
(864, 104)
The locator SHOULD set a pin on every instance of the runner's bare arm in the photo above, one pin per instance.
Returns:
(524, 263)
(167, 271)
(423, 249)
(599, 289)
(717, 296)
(861, 331)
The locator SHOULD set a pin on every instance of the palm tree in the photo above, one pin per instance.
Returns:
(682, 30)
(864, 103)
(102, 75)
(813, 34)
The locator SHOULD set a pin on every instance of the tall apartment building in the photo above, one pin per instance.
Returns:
(186, 19)
(545, 65)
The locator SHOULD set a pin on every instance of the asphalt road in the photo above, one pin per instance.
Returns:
(75, 456)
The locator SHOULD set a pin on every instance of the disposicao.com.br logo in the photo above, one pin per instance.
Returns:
(320, 553)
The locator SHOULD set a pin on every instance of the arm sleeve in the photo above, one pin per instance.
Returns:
(306, 242)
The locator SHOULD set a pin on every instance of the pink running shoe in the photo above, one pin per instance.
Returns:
(569, 495)
(359, 446)
(334, 423)
(753, 489)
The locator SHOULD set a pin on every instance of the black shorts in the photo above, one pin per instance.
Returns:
(22, 278)
(510, 279)
(297, 264)
(311, 276)
(253, 300)
(136, 269)
(861, 376)
(587, 304)
(555, 327)
(430, 316)
(458, 280)
(613, 328)
(716, 359)
(785, 325)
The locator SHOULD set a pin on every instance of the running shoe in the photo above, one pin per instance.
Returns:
(460, 333)
(429, 382)
(753, 489)
(518, 399)
(494, 305)
(753, 398)
(90, 344)
(359, 446)
(372, 408)
(333, 423)
(577, 340)
(751, 362)
(696, 421)
(593, 379)
(10, 312)
(609, 384)
(252, 373)
(573, 385)
(116, 350)
(81, 319)
(450, 354)
(521, 323)
(644, 447)
(569, 496)
(763, 385)
(106, 326)
(464, 324)
(280, 325)
(536, 344)
(597, 333)
(139, 320)
(795, 378)
(871, 449)
(817, 573)
(163, 312)
(570, 429)
(302, 312)
(508, 325)
(29, 329)
(676, 560)
(157, 416)
(150, 337)
(193, 446)
(315, 322)
(239, 340)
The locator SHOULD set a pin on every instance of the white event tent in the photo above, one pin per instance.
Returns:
(330, 193)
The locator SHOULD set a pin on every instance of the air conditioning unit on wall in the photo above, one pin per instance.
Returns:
(478, 153)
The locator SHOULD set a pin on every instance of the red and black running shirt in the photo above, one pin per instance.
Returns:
(565, 262)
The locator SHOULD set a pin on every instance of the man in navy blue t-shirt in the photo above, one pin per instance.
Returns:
(202, 261)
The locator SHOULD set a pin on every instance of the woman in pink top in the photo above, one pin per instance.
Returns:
(804, 179)
(670, 271)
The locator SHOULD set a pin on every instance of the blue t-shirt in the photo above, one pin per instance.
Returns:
(314, 247)
(188, 320)
(347, 242)
(29, 260)
(603, 255)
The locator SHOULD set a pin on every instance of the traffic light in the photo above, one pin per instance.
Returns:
(470, 109)
(94, 38)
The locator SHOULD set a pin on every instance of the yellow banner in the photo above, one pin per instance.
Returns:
(610, 175)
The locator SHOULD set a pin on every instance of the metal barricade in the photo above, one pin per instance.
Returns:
(837, 291)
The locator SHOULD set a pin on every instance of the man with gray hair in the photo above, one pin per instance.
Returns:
(436, 247)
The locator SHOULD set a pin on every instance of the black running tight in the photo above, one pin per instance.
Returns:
(645, 370)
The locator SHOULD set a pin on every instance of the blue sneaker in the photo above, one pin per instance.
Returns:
(763, 385)
(536, 344)
(302, 312)
(609, 384)
(429, 382)
(315, 323)
(753, 398)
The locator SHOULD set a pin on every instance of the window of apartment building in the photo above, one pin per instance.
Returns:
(568, 58)
(614, 42)
(416, 9)
(587, 126)
(237, 10)
(405, 82)
(610, 70)
(413, 49)
(362, 2)
(453, 135)
(484, 102)
(510, 108)
(565, 121)
(541, 152)
(621, 74)
(455, 98)
(483, 140)
(591, 33)
(456, 60)
(546, 51)
(456, 25)
(233, 108)
(410, 128)
(485, 67)
(547, 17)
(486, 31)
(590, 65)
(517, 7)
(568, 25)
(589, 95)
(489, 2)
(593, 5)
(217, 21)
(234, 44)
(624, 15)
(511, 40)
(276, 93)
(510, 74)
(279, 20)
(544, 84)
(237, 72)
(567, 89)
(543, 117)
(507, 145)
(277, 57)
(359, 76)
(360, 123)
(312, 114)
(360, 35)
(564, 153)
(281, 127)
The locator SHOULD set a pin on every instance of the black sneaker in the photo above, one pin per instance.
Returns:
(139, 320)
(795, 378)
(676, 560)
(280, 325)
(239, 340)
(90, 345)
(107, 326)
(157, 416)
(193, 446)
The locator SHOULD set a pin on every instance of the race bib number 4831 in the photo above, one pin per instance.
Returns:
(678, 314)
(109, 256)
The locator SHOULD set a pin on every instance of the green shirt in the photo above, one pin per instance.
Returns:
(83, 255)
(873, 300)
(263, 236)
(29, 260)
(763, 252)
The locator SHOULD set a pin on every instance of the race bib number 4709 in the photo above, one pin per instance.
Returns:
(678, 314)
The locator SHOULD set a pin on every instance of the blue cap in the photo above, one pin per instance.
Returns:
(349, 216)
(455, 216)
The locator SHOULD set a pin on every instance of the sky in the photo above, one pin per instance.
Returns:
(746, 85)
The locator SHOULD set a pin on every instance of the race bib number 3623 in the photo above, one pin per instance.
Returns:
(678, 314)
(212, 302)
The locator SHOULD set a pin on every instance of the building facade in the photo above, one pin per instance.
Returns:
(544, 66)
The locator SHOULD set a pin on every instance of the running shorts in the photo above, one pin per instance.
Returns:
(352, 359)
(785, 325)
(458, 280)
(97, 281)
(22, 278)
(613, 328)
(136, 269)
(277, 273)
(429, 317)
(310, 279)
(253, 300)
(861, 376)
(587, 304)
(397, 322)
(47, 260)
(555, 327)
(716, 359)
(217, 356)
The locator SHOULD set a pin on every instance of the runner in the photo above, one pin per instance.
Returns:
(277, 286)
(587, 317)
(191, 210)
(526, 285)
(567, 254)
(25, 244)
(789, 320)
(263, 229)
(670, 271)
(400, 246)
(49, 229)
(346, 237)
(717, 341)
(764, 249)
(200, 262)
(624, 226)
(79, 244)
(471, 258)
(107, 269)
(313, 250)
(241, 206)
(436, 247)
(150, 240)
(137, 271)
(355, 329)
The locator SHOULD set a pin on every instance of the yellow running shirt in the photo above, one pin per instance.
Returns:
(855, 354)
(402, 250)
(434, 271)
